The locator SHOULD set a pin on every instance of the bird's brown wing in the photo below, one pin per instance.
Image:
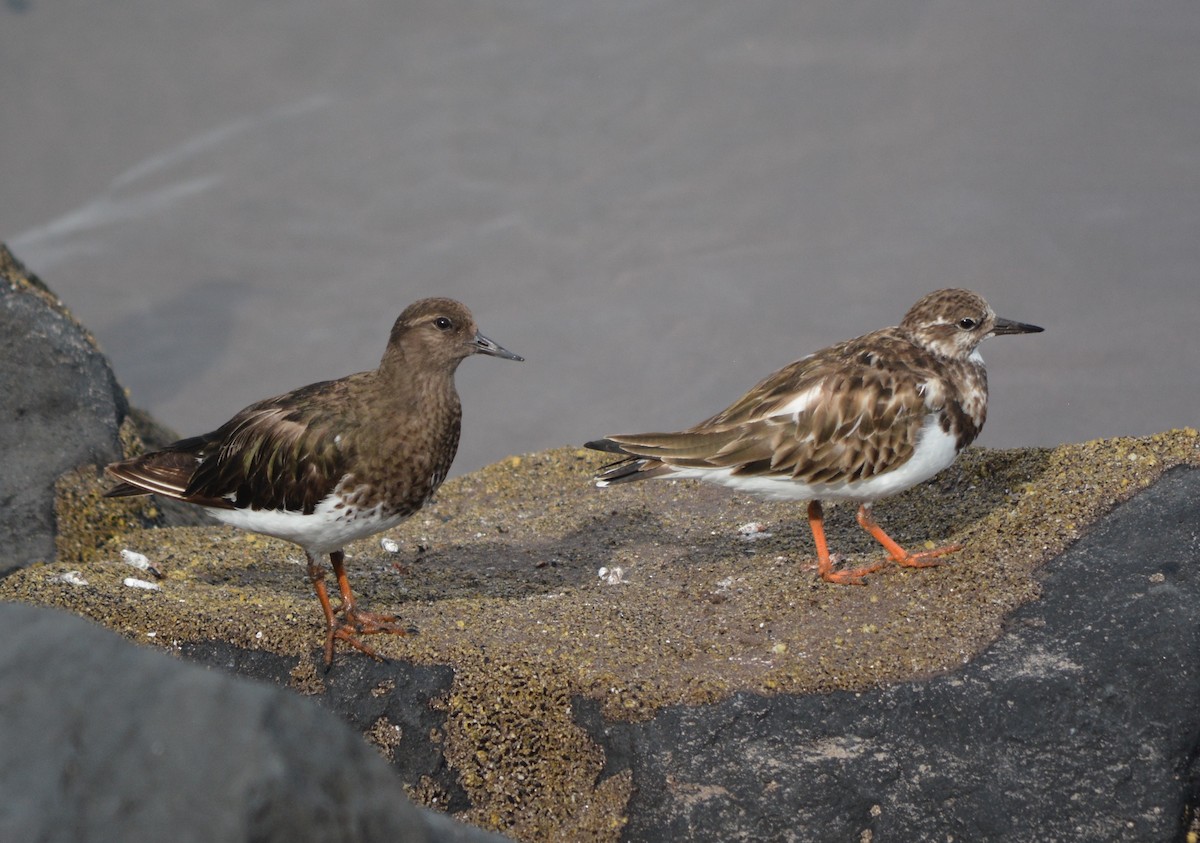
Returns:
(166, 472)
(281, 453)
(842, 414)
(274, 456)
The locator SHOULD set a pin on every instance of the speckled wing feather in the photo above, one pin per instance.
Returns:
(252, 459)
(850, 412)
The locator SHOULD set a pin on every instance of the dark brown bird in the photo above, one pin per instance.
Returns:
(334, 461)
(860, 420)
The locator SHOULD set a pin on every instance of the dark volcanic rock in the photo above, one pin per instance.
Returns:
(62, 408)
(104, 740)
(1082, 722)
(387, 701)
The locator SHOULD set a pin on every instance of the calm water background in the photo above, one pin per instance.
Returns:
(657, 203)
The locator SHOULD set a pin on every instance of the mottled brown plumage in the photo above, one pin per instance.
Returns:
(334, 461)
(859, 420)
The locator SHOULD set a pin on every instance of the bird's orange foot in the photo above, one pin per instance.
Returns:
(927, 558)
(852, 576)
(356, 622)
(371, 623)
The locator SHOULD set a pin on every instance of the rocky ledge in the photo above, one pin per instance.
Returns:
(659, 661)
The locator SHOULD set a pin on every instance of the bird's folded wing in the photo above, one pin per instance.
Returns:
(271, 457)
(837, 434)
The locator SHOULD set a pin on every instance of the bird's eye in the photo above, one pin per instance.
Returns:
(442, 323)
(967, 323)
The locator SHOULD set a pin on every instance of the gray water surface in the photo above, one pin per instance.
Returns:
(656, 203)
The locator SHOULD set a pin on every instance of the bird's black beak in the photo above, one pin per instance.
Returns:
(482, 345)
(1008, 326)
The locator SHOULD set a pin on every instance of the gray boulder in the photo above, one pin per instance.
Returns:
(104, 740)
(62, 408)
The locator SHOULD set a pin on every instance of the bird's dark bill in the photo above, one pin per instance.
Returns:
(485, 346)
(1008, 326)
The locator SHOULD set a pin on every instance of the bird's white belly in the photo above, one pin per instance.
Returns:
(935, 450)
(327, 529)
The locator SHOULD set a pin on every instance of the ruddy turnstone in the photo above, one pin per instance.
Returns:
(859, 421)
(334, 461)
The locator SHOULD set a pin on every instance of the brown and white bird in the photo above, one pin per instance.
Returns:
(858, 421)
(334, 461)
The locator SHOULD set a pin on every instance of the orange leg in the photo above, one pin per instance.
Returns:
(317, 575)
(354, 622)
(816, 520)
(924, 559)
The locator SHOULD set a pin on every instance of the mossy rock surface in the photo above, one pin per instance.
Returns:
(500, 576)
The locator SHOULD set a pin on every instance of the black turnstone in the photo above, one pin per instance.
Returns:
(859, 421)
(334, 461)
